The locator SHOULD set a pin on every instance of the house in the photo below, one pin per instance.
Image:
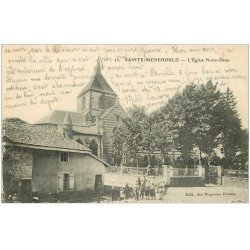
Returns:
(98, 114)
(40, 158)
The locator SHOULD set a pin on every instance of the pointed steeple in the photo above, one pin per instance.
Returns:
(98, 82)
(99, 65)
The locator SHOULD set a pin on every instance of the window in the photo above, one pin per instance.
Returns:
(80, 141)
(65, 182)
(102, 100)
(83, 102)
(94, 147)
(64, 157)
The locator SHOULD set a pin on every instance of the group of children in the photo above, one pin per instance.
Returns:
(143, 190)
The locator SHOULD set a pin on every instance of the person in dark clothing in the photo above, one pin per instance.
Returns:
(127, 192)
(142, 193)
(113, 193)
(138, 182)
(147, 188)
(137, 192)
(152, 192)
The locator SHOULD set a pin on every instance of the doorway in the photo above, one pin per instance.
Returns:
(66, 182)
(25, 189)
(98, 184)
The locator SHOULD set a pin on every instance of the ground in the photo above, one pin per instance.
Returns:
(236, 192)
(233, 190)
(208, 194)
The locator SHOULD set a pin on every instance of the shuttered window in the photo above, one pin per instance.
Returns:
(65, 182)
(60, 182)
(71, 182)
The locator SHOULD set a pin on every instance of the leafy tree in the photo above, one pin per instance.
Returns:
(193, 119)
(199, 116)
(232, 134)
(128, 138)
(208, 123)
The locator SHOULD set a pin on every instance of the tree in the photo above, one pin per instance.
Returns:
(161, 137)
(208, 123)
(193, 119)
(242, 157)
(128, 138)
(119, 143)
(198, 117)
(232, 134)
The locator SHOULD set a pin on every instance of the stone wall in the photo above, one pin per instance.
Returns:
(86, 102)
(18, 161)
(17, 165)
(108, 100)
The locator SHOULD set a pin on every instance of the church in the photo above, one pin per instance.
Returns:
(98, 114)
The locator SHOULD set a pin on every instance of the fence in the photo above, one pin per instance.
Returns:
(120, 175)
(133, 170)
(185, 172)
(157, 171)
(235, 173)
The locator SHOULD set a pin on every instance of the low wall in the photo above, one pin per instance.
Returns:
(120, 180)
(187, 181)
(235, 181)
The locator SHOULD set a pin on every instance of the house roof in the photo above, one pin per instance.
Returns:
(39, 135)
(58, 116)
(98, 83)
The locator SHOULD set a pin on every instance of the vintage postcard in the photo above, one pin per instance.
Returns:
(125, 123)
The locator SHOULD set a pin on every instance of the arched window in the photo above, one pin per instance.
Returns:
(83, 102)
(102, 100)
(94, 147)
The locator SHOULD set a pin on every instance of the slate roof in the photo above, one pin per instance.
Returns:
(39, 135)
(98, 83)
(58, 116)
(72, 118)
(67, 120)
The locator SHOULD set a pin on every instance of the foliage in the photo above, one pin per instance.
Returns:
(200, 116)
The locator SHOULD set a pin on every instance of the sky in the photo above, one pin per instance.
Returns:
(38, 79)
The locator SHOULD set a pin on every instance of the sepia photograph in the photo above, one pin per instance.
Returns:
(124, 124)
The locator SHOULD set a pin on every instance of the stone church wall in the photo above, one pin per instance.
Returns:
(110, 122)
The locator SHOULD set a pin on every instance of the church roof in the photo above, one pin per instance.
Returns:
(98, 83)
(67, 120)
(58, 117)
